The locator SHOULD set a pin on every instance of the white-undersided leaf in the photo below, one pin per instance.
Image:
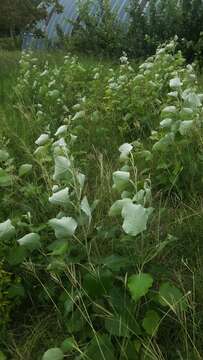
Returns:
(31, 241)
(7, 230)
(25, 169)
(53, 354)
(54, 93)
(76, 107)
(64, 227)
(173, 94)
(185, 127)
(55, 188)
(190, 68)
(125, 149)
(160, 51)
(117, 207)
(62, 168)
(193, 77)
(166, 123)
(4, 155)
(60, 197)
(193, 100)
(125, 168)
(79, 115)
(200, 96)
(73, 138)
(185, 93)
(86, 208)
(121, 179)
(139, 77)
(186, 111)
(61, 130)
(81, 180)
(175, 82)
(61, 143)
(169, 109)
(135, 219)
(42, 139)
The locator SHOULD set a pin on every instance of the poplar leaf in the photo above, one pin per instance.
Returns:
(135, 219)
(64, 227)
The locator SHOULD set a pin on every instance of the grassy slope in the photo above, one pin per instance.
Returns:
(185, 221)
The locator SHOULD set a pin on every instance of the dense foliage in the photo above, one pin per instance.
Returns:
(87, 205)
(146, 28)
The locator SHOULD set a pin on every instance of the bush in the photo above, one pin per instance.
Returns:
(10, 44)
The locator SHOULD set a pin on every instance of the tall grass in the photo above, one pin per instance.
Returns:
(181, 339)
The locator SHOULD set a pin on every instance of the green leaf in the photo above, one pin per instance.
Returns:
(2, 356)
(16, 291)
(116, 262)
(5, 178)
(25, 169)
(131, 350)
(59, 247)
(117, 207)
(41, 152)
(53, 354)
(31, 241)
(164, 142)
(64, 227)
(68, 306)
(76, 322)
(100, 348)
(117, 326)
(56, 265)
(121, 180)
(135, 219)
(4, 155)
(151, 322)
(171, 296)
(7, 230)
(68, 345)
(139, 285)
(17, 255)
(98, 283)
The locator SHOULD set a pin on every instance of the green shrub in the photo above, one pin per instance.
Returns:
(10, 44)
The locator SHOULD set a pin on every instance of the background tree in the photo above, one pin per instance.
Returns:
(18, 15)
